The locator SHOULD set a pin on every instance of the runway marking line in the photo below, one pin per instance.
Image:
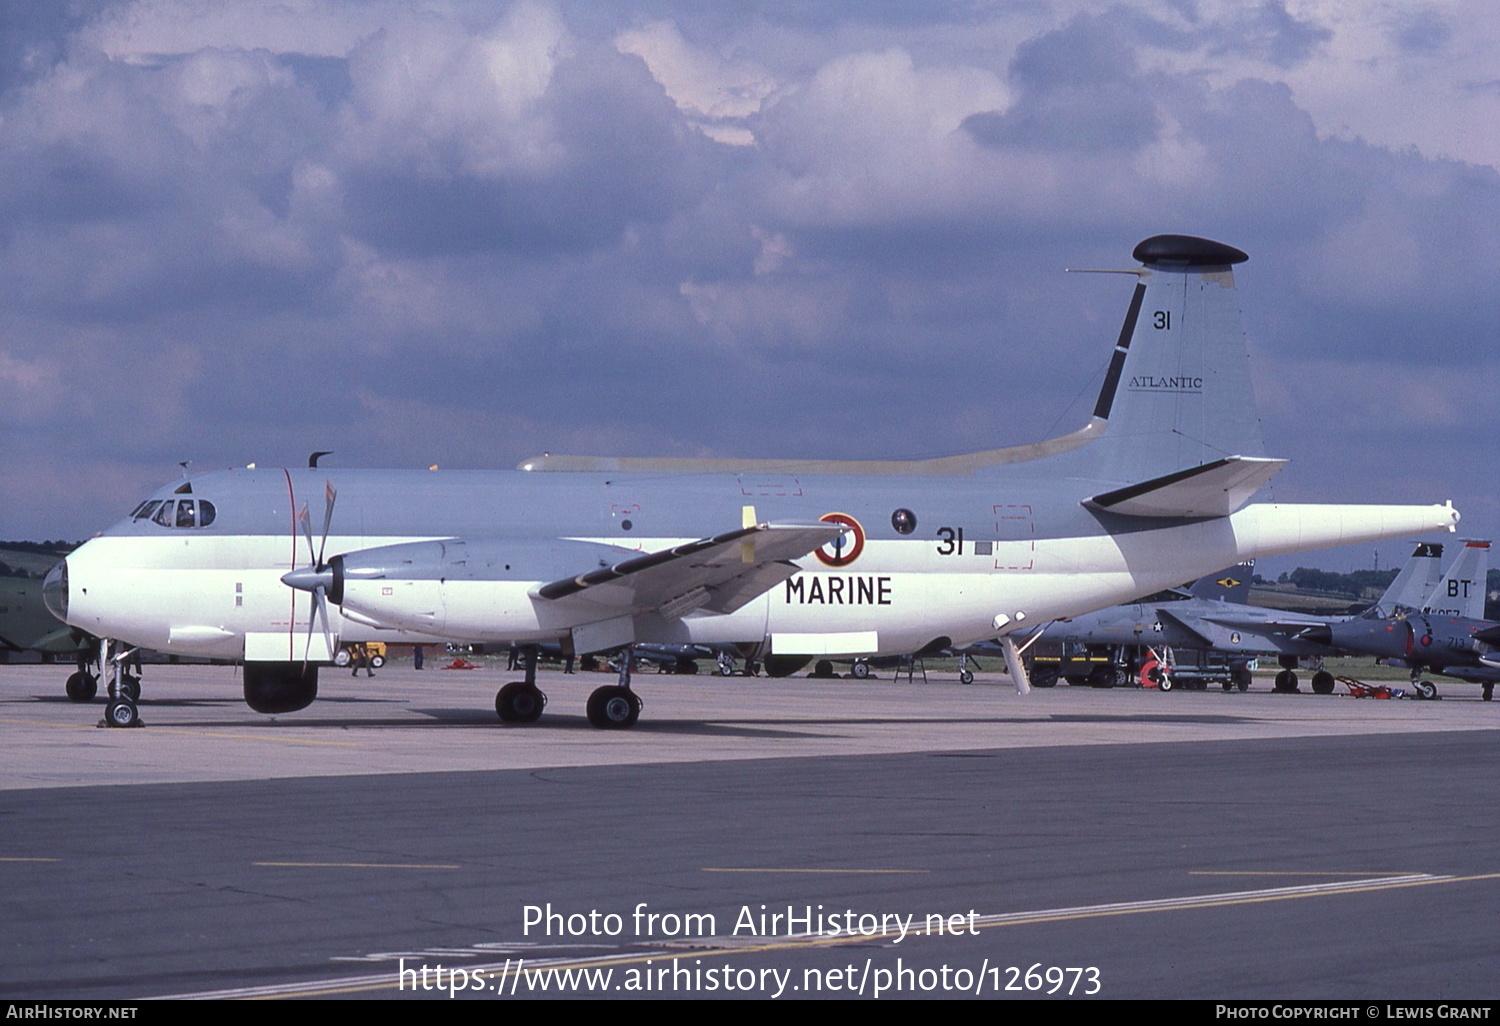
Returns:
(721, 869)
(384, 981)
(18, 858)
(1293, 872)
(190, 733)
(358, 865)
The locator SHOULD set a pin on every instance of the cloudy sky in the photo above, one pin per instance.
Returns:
(464, 233)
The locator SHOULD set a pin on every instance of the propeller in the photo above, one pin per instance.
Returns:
(316, 577)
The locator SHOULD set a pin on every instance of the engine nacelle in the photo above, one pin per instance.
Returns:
(280, 687)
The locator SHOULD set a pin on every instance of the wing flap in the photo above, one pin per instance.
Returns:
(1214, 489)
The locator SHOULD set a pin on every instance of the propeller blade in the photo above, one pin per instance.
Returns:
(319, 608)
(306, 521)
(330, 496)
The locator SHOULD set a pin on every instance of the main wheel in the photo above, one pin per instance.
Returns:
(1286, 681)
(1322, 683)
(82, 687)
(860, 670)
(614, 708)
(518, 703)
(122, 714)
(341, 657)
(1425, 689)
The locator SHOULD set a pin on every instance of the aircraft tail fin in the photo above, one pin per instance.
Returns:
(1415, 581)
(1460, 590)
(1229, 585)
(1178, 393)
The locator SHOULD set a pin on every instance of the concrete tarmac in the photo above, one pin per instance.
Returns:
(1119, 843)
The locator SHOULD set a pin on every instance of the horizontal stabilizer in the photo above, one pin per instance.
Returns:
(1214, 489)
(717, 575)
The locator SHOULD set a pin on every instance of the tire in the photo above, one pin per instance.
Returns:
(122, 714)
(1044, 679)
(1425, 689)
(966, 676)
(81, 687)
(1166, 683)
(130, 689)
(517, 703)
(614, 708)
(376, 662)
(1286, 682)
(1322, 683)
(861, 671)
(341, 657)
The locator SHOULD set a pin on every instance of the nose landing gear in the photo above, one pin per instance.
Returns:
(124, 686)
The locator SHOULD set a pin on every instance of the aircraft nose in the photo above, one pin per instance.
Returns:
(55, 591)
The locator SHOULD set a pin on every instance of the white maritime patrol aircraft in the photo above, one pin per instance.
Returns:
(789, 559)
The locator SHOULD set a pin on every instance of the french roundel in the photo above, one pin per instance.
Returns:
(846, 548)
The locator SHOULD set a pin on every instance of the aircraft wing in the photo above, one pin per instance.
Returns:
(718, 574)
(1285, 623)
(1214, 489)
(1190, 624)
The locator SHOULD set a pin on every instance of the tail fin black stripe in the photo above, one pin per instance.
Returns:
(1122, 347)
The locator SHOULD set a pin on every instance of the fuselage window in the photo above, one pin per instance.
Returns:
(185, 514)
(206, 512)
(145, 509)
(164, 515)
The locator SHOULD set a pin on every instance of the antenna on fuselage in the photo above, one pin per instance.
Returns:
(312, 461)
(184, 465)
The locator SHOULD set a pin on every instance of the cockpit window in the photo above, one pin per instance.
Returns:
(178, 513)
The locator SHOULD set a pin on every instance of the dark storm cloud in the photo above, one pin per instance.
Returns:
(622, 156)
(1079, 90)
(1272, 33)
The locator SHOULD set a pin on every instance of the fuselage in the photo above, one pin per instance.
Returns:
(927, 559)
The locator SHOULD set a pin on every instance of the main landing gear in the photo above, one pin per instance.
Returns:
(613, 707)
(616, 707)
(521, 701)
